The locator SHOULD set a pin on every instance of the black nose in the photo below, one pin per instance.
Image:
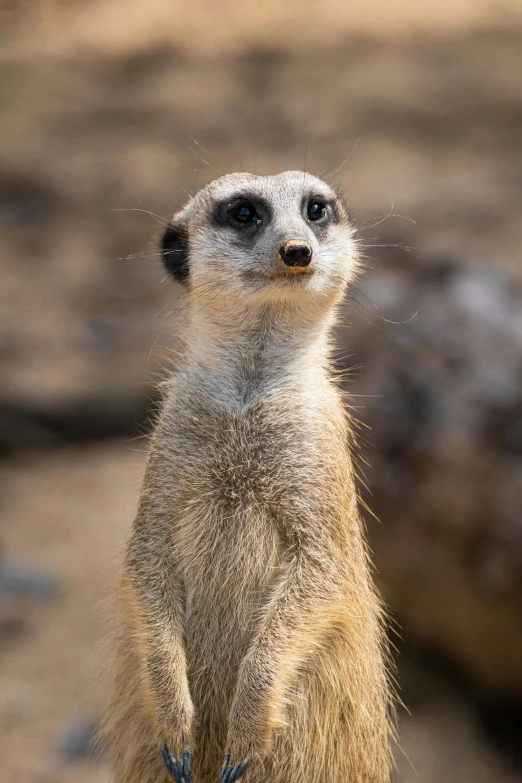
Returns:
(295, 252)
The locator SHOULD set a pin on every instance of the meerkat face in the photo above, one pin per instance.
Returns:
(262, 240)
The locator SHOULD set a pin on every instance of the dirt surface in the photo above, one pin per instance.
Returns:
(69, 511)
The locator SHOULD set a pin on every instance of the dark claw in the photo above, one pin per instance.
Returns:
(186, 765)
(224, 768)
(179, 769)
(166, 759)
(231, 772)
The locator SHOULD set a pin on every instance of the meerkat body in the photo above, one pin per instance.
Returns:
(249, 622)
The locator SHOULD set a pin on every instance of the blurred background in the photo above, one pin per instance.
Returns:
(111, 112)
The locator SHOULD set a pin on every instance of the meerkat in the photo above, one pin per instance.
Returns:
(251, 639)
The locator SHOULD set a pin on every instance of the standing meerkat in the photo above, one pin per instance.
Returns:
(251, 631)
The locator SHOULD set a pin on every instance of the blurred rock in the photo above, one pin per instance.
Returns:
(77, 740)
(441, 352)
(22, 580)
(92, 416)
(13, 622)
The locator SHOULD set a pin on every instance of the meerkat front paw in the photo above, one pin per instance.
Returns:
(230, 771)
(178, 767)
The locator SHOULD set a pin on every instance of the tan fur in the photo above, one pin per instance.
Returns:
(249, 620)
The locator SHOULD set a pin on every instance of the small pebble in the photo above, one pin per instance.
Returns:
(23, 580)
(76, 740)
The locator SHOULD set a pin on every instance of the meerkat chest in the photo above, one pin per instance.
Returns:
(242, 464)
(234, 481)
(236, 475)
(227, 476)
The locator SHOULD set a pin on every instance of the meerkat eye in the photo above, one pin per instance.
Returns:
(316, 210)
(245, 213)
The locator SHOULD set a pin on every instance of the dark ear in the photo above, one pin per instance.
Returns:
(174, 250)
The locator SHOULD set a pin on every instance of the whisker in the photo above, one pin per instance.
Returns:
(306, 153)
(200, 146)
(204, 161)
(158, 218)
(239, 159)
(339, 168)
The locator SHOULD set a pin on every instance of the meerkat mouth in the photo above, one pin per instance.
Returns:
(285, 277)
(295, 274)
(293, 277)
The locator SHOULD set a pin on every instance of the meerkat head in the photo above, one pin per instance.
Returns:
(261, 241)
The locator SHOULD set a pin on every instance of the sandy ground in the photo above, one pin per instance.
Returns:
(68, 512)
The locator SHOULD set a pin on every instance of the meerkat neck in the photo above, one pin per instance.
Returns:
(252, 355)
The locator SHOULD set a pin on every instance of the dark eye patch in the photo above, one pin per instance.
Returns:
(244, 213)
